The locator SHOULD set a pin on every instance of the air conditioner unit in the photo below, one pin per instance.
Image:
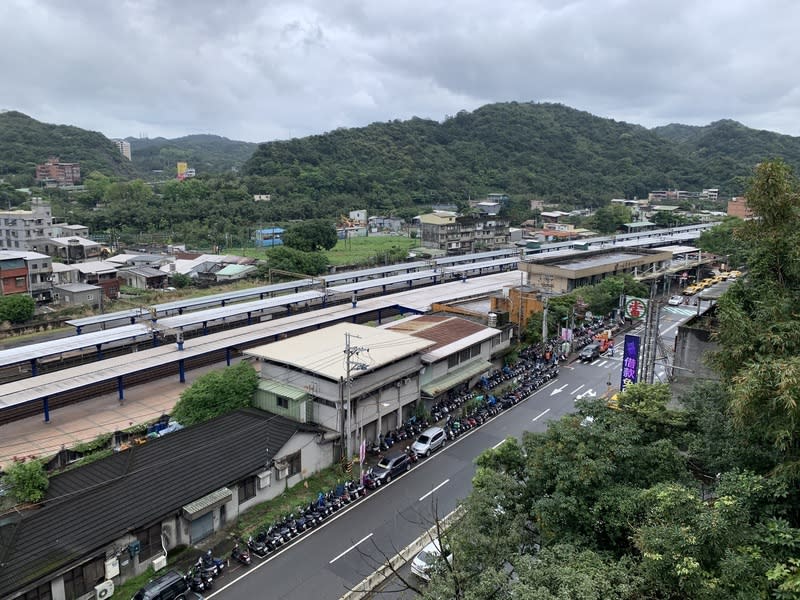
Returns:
(264, 479)
(112, 567)
(104, 590)
(159, 562)
(281, 470)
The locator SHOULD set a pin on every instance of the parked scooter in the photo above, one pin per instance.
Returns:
(194, 580)
(257, 546)
(243, 556)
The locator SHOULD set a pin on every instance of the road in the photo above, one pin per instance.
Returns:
(346, 549)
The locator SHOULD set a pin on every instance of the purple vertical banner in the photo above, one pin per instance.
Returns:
(630, 361)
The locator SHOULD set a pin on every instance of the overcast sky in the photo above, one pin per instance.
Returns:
(260, 70)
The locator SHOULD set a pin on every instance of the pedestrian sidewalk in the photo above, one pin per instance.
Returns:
(84, 421)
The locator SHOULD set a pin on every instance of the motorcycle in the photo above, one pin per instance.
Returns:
(194, 581)
(259, 548)
(243, 556)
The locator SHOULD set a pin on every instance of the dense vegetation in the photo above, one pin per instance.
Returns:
(546, 151)
(26, 142)
(650, 501)
(217, 393)
(205, 153)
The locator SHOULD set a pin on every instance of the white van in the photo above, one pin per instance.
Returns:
(422, 563)
(429, 440)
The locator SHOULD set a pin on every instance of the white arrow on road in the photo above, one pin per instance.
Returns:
(557, 390)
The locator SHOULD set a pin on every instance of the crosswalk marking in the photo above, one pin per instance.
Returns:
(685, 312)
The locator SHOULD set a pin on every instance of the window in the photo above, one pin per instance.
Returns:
(81, 580)
(464, 355)
(19, 281)
(40, 593)
(294, 463)
(247, 489)
(149, 541)
(452, 361)
(282, 402)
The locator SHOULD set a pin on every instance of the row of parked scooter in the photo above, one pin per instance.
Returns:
(408, 430)
(525, 376)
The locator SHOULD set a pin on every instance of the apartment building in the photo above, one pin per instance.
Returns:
(26, 229)
(54, 172)
(124, 148)
(462, 234)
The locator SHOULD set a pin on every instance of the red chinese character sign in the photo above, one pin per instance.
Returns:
(630, 361)
(635, 308)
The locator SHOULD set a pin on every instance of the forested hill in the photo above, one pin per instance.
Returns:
(26, 142)
(205, 153)
(726, 145)
(545, 149)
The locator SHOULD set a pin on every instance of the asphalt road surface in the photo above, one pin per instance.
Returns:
(338, 555)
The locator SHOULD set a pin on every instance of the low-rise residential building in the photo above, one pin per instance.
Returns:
(562, 271)
(315, 377)
(39, 273)
(71, 249)
(462, 234)
(100, 273)
(78, 294)
(380, 223)
(108, 520)
(13, 275)
(461, 353)
(143, 278)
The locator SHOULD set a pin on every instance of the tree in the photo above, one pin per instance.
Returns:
(27, 480)
(759, 326)
(217, 393)
(17, 308)
(722, 240)
(297, 261)
(311, 236)
(609, 219)
(181, 280)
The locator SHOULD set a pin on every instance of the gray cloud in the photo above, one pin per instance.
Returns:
(259, 70)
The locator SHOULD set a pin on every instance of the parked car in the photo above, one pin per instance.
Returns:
(429, 441)
(590, 352)
(675, 300)
(170, 586)
(427, 557)
(391, 466)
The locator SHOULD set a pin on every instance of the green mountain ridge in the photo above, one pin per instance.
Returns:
(26, 142)
(544, 150)
(206, 153)
(538, 149)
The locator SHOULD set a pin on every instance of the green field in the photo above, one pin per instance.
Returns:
(360, 251)
(370, 250)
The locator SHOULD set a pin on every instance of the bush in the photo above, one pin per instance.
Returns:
(27, 480)
(216, 394)
(17, 308)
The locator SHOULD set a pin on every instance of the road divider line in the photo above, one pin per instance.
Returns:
(540, 415)
(577, 389)
(602, 363)
(498, 444)
(445, 482)
(364, 539)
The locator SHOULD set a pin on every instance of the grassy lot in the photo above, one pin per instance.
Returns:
(371, 250)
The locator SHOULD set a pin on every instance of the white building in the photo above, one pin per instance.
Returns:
(26, 229)
(124, 148)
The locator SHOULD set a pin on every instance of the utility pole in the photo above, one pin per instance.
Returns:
(352, 364)
(544, 321)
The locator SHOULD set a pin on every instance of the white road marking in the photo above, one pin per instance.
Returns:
(445, 482)
(364, 539)
(558, 390)
(577, 389)
(540, 415)
(601, 364)
(498, 444)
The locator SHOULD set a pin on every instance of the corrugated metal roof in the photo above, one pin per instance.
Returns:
(455, 377)
(322, 352)
(208, 502)
(229, 270)
(282, 389)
